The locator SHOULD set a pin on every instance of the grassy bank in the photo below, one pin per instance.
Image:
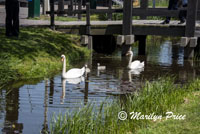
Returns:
(190, 125)
(157, 97)
(36, 53)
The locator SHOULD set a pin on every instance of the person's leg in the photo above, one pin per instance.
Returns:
(15, 29)
(84, 3)
(174, 5)
(182, 15)
(8, 19)
(170, 7)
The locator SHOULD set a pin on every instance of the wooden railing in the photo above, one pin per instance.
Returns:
(193, 13)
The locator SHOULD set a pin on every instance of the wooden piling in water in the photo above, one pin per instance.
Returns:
(120, 40)
(142, 44)
(87, 40)
(189, 44)
(197, 48)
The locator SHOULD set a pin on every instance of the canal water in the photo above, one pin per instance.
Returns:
(27, 106)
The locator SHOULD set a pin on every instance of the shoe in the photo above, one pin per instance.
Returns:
(165, 22)
(181, 22)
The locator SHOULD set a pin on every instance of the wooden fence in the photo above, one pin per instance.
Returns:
(192, 11)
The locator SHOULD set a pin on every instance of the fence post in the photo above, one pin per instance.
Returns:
(52, 14)
(79, 8)
(191, 18)
(70, 7)
(127, 25)
(127, 17)
(60, 6)
(110, 7)
(198, 9)
(143, 5)
(88, 18)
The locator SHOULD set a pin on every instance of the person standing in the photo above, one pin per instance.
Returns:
(12, 18)
(173, 5)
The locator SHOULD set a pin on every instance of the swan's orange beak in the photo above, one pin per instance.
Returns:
(62, 59)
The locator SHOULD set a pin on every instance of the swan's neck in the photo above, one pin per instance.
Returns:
(64, 67)
(130, 60)
(83, 69)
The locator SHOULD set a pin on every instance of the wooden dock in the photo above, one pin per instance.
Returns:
(129, 30)
(139, 27)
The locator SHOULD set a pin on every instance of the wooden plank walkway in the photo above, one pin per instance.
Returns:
(140, 27)
(135, 22)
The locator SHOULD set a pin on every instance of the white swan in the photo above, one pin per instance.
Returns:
(72, 73)
(135, 64)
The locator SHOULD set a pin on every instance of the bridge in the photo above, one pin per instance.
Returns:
(129, 30)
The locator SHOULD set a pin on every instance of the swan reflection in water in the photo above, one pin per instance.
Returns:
(136, 71)
(70, 81)
(100, 69)
(75, 80)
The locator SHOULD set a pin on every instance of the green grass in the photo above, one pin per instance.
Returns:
(190, 125)
(157, 97)
(36, 53)
(62, 18)
(57, 18)
(159, 3)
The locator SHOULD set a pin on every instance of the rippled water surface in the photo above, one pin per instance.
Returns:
(28, 108)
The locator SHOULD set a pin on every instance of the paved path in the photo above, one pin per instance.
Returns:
(28, 22)
(23, 18)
